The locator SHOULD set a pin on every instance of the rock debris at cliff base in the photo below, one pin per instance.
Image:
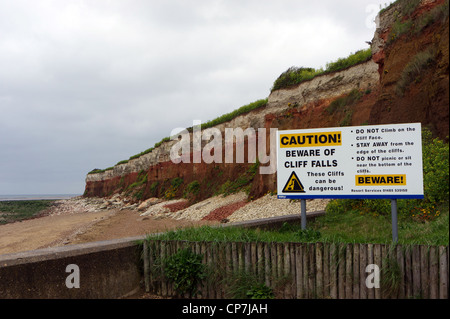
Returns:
(231, 208)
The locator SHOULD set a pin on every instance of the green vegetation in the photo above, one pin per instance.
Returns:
(414, 69)
(344, 101)
(229, 116)
(97, 170)
(173, 188)
(191, 189)
(136, 188)
(122, 162)
(296, 75)
(342, 104)
(260, 291)
(141, 180)
(353, 59)
(12, 211)
(405, 23)
(246, 285)
(335, 227)
(243, 182)
(185, 270)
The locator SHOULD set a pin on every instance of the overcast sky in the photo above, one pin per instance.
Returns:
(85, 84)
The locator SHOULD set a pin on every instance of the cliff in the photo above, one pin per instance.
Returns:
(405, 81)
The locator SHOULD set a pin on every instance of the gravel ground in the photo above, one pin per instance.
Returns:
(266, 206)
(194, 212)
(234, 208)
(270, 206)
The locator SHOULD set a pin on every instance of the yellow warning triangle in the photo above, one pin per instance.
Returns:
(293, 185)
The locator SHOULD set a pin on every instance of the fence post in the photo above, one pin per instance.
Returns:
(146, 267)
(443, 272)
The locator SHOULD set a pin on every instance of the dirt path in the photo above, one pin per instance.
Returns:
(44, 231)
(81, 220)
(80, 227)
(128, 223)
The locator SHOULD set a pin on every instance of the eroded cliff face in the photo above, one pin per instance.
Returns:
(423, 96)
(298, 102)
(363, 94)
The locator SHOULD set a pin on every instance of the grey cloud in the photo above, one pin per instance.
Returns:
(85, 84)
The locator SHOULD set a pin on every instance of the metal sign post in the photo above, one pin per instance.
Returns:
(303, 212)
(394, 221)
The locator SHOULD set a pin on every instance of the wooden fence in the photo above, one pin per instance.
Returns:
(308, 270)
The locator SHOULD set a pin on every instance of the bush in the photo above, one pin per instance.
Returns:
(243, 182)
(192, 189)
(341, 102)
(353, 59)
(260, 291)
(185, 270)
(173, 189)
(295, 75)
(229, 116)
(414, 69)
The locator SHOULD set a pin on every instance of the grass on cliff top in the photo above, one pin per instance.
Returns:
(12, 211)
(348, 227)
(296, 75)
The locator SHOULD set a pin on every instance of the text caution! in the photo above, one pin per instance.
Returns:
(310, 139)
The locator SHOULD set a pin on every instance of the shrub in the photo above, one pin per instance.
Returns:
(229, 116)
(185, 270)
(414, 69)
(260, 291)
(341, 102)
(243, 182)
(353, 59)
(295, 75)
(308, 235)
(398, 29)
(173, 189)
(122, 162)
(192, 189)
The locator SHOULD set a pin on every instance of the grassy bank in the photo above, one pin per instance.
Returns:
(12, 211)
(348, 227)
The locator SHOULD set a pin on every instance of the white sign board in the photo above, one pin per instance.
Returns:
(372, 161)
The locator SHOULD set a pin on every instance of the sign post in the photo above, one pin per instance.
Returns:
(303, 213)
(376, 161)
(394, 221)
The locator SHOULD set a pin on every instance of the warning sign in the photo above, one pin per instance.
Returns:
(293, 185)
(376, 161)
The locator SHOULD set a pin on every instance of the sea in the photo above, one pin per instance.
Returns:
(37, 197)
